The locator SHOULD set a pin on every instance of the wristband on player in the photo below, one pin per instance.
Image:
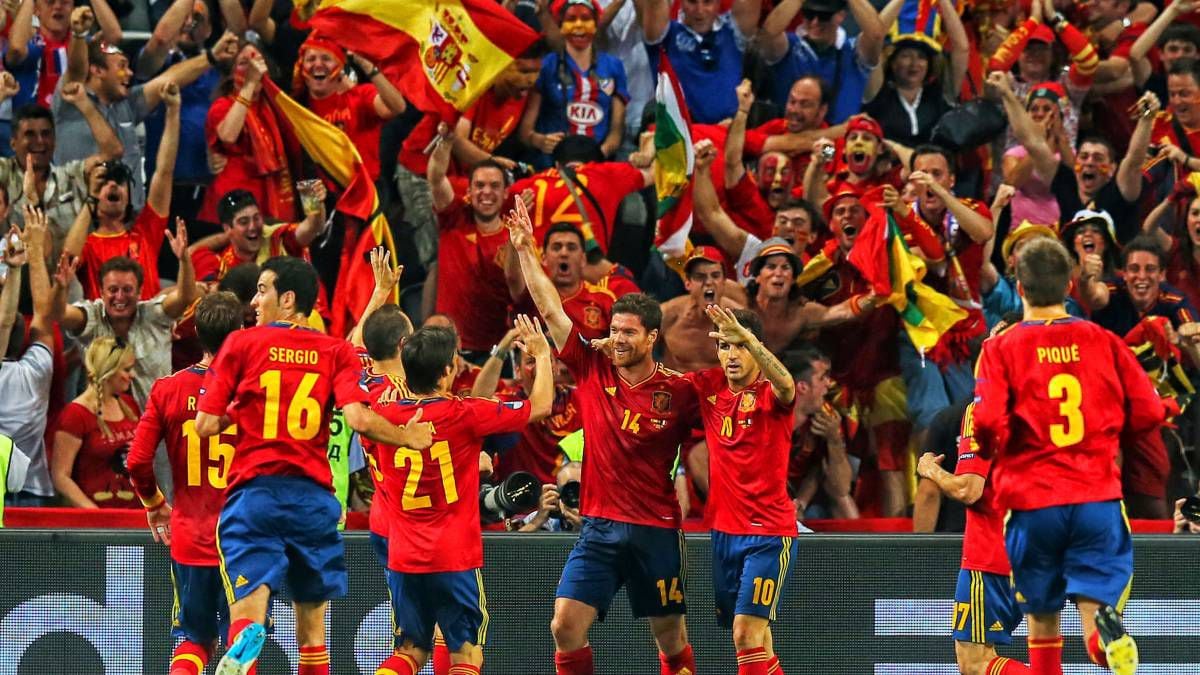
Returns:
(154, 502)
(498, 353)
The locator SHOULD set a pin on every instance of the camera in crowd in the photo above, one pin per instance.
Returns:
(568, 495)
(518, 493)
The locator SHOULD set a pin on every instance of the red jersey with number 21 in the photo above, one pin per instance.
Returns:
(282, 380)
(632, 433)
(434, 519)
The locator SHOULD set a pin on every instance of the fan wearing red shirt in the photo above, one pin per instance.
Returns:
(279, 382)
(746, 406)
(359, 110)
(588, 305)
(1052, 397)
(636, 414)
(199, 472)
(435, 558)
(985, 609)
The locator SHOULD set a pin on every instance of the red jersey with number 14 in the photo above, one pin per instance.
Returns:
(434, 518)
(632, 433)
(199, 466)
(749, 436)
(1051, 400)
(279, 383)
(983, 539)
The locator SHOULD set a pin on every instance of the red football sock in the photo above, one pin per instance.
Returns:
(1003, 666)
(398, 664)
(441, 656)
(1095, 651)
(682, 663)
(235, 629)
(314, 661)
(752, 661)
(1045, 656)
(464, 669)
(578, 662)
(773, 665)
(189, 659)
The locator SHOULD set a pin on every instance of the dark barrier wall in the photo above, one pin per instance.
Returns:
(85, 603)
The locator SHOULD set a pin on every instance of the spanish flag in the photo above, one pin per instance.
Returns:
(442, 54)
(333, 151)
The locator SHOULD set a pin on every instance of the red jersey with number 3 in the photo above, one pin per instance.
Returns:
(749, 436)
(279, 383)
(199, 466)
(434, 518)
(1051, 400)
(983, 539)
(633, 432)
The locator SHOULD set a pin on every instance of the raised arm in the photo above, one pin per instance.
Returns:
(541, 289)
(82, 21)
(234, 16)
(189, 70)
(1129, 171)
(15, 256)
(108, 146)
(36, 241)
(960, 49)
(870, 39)
(488, 377)
(731, 332)
(77, 235)
(1028, 133)
(746, 14)
(179, 298)
(731, 238)
(313, 224)
(386, 282)
(656, 18)
(1152, 225)
(772, 37)
(389, 102)
(110, 27)
(20, 34)
(439, 165)
(533, 342)
(977, 226)
(71, 317)
(158, 197)
(259, 20)
(1149, 38)
(814, 174)
(735, 141)
(966, 488)
(166, 34)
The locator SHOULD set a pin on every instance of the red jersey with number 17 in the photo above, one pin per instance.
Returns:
(434, 518)
(983, 539)
(279, 383)
(199, 466)
(1051, 400)
(632, 433)
(749, 436)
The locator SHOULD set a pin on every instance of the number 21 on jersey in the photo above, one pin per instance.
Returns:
(415, 461)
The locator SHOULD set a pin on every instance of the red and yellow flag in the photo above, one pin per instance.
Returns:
(334, 152)
(442, 54)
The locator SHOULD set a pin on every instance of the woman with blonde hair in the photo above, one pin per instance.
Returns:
(94, 432)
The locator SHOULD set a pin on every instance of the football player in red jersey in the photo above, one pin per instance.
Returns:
(435, 558)
(200, 471)
(278, 382)
(635, 415)
(746, 405)
(1052, 397)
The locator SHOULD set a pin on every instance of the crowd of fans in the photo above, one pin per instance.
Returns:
(140, 175)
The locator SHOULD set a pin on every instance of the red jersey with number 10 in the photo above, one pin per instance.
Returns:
(749, 436)
(632, 434)
(282, 380)
(434, 518)
(1051, 400)
(199, 466)
(983, 539)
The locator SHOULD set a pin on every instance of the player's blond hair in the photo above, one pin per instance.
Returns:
(102, 361)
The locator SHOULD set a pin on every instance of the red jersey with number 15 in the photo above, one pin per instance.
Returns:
(199, 466)
(749, 436)
(435, 515)
(983, 539)
(1051, 400)
(632, 433)
(279, 383)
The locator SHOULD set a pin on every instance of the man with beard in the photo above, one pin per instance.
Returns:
(859, 160)
(686, 325)
(588, 305)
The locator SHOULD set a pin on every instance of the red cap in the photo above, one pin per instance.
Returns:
(558, 7)
(316, 41)
(704, 253)
(864, 122)
(1042, 33)
(1051, 91)
(837, 192)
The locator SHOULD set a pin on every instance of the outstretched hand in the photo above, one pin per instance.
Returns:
(386, 277)
(530, 336)
(728, 330)
(178, 240)
(520, 227)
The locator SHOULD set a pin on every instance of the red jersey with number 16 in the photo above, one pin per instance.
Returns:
(1051, 400)
(983, 539)
(199, 466)
(434, 518)
(632, 434)
(282, 380)
(749, 436)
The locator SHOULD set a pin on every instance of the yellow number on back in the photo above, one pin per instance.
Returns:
(438, 452)
(303, 411)
(1065, 387)
(220, 455)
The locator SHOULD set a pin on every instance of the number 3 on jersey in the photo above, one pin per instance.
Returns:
(1065, 387)
(438, 452)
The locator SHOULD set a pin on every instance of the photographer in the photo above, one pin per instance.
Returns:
(558, 510)
(1187, 516)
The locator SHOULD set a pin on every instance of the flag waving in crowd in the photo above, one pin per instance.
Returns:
(675, 162)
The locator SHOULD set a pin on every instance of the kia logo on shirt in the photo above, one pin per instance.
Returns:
(584, 113)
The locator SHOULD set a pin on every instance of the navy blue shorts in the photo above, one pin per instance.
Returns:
(454, 601)
(749, 573)
(649, 561)
(277, 529)
(985, 610)
(199, 612)
(1078, 550)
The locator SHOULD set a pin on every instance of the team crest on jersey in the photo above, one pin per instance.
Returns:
(607, 85)
(134, 250)
(661, 401)
(592, 317)
(747, 402)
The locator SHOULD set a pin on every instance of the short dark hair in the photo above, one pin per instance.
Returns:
(814, 214)
(751, 321)
(1097, 139)
(242, 281)
(801, 361)
(577, 148)
(931, 149)
(489, 163)
(383, 331)
(563, 227)
(233, 201)
(217, 315)
(1146, 244)
(1180, 32)
(295, 275)
(122, 264)
(98, 50)
(426, 355)
(1190, 67)
(826, 90)
(1044, 271)
(643, 307)
(537, 50)
(31, 111)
